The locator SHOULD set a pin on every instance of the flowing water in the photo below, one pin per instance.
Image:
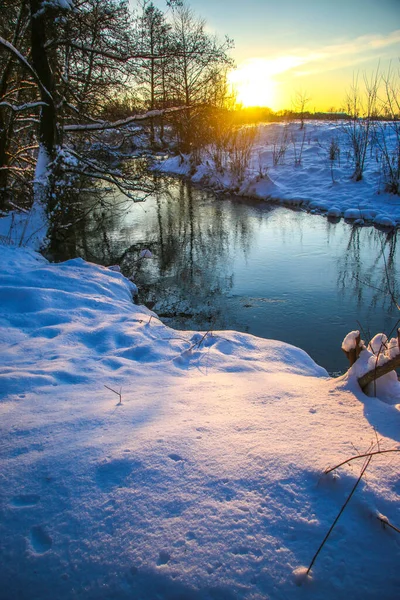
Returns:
(226, 263)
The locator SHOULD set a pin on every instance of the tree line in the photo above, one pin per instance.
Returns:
(71, 70)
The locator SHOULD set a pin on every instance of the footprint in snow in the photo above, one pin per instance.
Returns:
(40, 541)
(25, 500)
(163, 558)
(116, 473)
(175, 457)
(240, 550)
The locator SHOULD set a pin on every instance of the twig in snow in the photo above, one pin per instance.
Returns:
(377, 440)
(117, 393)
(199, 342)
(366, 455)
(340, 512)
(385, 521)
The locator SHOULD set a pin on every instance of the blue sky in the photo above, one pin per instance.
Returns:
(274, 24)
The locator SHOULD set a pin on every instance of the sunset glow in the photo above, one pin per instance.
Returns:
(256, 81)
(253, 84)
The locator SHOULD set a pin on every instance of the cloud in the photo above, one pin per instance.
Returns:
(366, 44)
(334, 56)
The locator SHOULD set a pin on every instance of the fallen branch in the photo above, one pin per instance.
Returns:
(377, 372)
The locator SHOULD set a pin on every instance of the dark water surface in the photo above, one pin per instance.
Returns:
(226, 263)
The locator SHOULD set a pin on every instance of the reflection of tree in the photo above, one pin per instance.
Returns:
(189, 233)
(371, 283)
(188, 275)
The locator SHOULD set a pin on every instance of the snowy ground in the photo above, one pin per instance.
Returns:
(206, 482)
(316, 183)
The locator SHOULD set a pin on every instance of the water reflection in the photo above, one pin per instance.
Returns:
(225, 263)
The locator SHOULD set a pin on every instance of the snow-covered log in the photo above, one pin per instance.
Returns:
(352, 346)
(379, 371)
(378, 359)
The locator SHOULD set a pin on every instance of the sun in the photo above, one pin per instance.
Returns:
(253, 84)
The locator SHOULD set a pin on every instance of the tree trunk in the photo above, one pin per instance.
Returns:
(48, 134)
(6, 125)
(40, 60)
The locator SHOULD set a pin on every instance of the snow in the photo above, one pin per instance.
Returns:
(145, 253)
(205, 482)
(42, 166)
(378, 344)
(350, 341)
(24, 228)
(315, 183)
(60, 4)
(379, 351)
(29, 228)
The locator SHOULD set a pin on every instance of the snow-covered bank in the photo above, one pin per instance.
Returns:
(206, 482)
(304, 174)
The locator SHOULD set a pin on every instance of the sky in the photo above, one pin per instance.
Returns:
(314, 48)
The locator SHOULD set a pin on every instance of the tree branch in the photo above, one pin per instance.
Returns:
(22, 107)
(122, 122)
(25, 63)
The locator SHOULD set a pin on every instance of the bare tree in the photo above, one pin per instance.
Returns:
(153, 34)
(74, 62)
(197, 77)
(68, 66)
(361, 111)
(387, 131)
(300, 104)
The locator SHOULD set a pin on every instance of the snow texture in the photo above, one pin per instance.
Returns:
(206, 482)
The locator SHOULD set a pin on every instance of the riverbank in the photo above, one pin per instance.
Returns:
(309, 168)
(147, 462)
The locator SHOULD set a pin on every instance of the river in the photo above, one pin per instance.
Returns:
(229, 263)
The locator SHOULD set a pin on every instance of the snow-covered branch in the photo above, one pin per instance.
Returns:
(22, 107)
(104, 125)
(25, 63)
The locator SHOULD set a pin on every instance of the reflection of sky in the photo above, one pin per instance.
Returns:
(313, 45)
